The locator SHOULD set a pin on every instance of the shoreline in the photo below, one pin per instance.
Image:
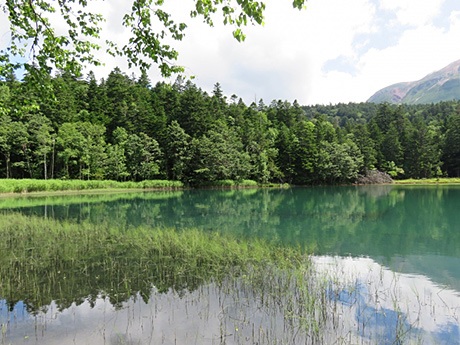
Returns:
(27, 187)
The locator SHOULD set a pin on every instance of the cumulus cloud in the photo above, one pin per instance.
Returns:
(334, 51)
(400, 49)
(413, 12)
(283, 59)
(420, 50)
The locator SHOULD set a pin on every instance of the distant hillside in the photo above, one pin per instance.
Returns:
(443, 85)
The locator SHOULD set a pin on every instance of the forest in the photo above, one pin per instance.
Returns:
(127, 128)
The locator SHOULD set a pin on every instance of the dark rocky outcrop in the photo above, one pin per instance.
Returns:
(374, 177)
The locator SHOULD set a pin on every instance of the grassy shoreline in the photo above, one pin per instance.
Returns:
(19, 186)
(27, 186)
(428, 181)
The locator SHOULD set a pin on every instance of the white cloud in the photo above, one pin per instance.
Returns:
(455, 21)
(421, 49)
(381, 42)
(413, 12)
(282, 60)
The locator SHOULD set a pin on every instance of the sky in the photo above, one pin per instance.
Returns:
(333, 51)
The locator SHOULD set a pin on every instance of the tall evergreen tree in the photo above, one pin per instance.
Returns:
(178, 152)
(423, 151)
(96, 101)
(451, 154)
(119, 101)
(194, 114)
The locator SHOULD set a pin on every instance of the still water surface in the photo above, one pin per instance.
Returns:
(398, 246)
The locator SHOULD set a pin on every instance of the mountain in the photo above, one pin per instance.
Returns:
(443, 85)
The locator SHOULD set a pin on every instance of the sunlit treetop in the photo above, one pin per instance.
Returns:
(66, 34)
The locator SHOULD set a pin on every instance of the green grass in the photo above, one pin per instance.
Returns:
(241, 184)
(33, 185)
(31, 200)
(443, 180)
(44, 260)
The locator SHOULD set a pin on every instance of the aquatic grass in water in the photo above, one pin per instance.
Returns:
(163, 285)
(61, 265)
(230, 184)
(429, 181)
(166, 258)
(32, 200)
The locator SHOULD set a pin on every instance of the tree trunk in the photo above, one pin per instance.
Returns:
(7, 161)
(52, 161)
(44, 166)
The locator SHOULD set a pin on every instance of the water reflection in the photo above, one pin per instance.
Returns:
(377, 306)
(382, 222)
(396, 248)
(389, 307)
(375, 221)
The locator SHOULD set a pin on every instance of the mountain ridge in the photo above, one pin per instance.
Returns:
(441, 85)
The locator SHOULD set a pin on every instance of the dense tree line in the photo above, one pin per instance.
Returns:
(124, 128)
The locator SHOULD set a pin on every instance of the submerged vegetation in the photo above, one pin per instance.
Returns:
(266, 293)
(441, 180)
(53, 185)
(46, 260)
(101, 197)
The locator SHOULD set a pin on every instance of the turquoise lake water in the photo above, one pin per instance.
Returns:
(399, 245)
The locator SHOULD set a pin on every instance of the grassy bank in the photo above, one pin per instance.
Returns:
(444, 180)
(33, 185)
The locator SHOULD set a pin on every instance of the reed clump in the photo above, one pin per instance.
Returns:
(267, 293)
(45, 260)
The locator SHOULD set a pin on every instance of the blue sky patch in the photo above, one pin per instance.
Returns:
(387, 34)
(340, 64)
(443, 19)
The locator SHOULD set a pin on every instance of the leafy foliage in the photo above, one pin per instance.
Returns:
(66, 34)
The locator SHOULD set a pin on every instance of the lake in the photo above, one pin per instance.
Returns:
(390, 256)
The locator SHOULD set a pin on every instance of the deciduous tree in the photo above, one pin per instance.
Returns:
(66, 34)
